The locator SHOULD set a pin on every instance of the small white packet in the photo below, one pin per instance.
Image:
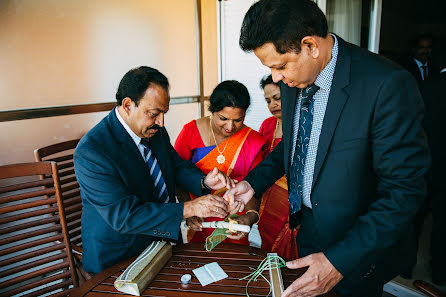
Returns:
(209, 273)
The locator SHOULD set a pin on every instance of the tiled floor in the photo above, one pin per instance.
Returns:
(422, 268)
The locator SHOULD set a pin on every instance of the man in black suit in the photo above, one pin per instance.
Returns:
(435, 101)
(127, 170)
(353, 150)
(419, 63)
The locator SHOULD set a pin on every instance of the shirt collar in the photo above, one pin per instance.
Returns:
(419, 63)
(132, 134)
(323, 80)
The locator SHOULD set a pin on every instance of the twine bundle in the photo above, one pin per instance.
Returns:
(267, 264)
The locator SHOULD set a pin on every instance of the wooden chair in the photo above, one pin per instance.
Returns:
(428, 289)
(62, 154)
(35, 253)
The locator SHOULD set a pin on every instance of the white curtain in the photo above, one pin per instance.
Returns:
(344, 19)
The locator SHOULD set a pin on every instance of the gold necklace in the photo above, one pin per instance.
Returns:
(274, 136)
(220, 159)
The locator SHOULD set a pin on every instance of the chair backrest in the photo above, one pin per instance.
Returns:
(35, 253)
(62, 154)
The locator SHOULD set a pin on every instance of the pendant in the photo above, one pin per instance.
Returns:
(221, 159)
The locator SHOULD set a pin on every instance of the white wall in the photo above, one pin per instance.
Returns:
(75, 52)
(241, 66)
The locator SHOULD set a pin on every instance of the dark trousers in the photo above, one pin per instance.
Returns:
(308, 243)
(438, 244)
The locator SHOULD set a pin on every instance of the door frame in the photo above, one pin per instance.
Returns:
(375, 22)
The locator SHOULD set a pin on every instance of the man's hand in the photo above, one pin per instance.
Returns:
(320, 277)
(217, 180)
(194, 223)
(235, 207)
(206, 206)
(242, 192)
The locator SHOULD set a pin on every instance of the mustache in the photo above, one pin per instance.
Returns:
(155, 127)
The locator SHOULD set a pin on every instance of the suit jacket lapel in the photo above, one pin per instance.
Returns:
(288, 107)
(336, 101)
(130, 153)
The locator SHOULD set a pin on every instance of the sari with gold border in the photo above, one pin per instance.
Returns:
(242, 153)
(274, 209)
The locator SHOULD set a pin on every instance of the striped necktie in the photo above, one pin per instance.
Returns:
(300, 152)
(156, 174)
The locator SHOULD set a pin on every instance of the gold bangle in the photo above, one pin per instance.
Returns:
(256, 212)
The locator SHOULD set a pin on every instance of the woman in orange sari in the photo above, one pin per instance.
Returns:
(274, 209)
(222, 140)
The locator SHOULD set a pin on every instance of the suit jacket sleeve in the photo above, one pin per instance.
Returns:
(103, 188)
(264, 175)
(400, 160)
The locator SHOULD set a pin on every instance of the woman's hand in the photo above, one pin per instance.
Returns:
(194, 223)
(217, 180)
(246, 219)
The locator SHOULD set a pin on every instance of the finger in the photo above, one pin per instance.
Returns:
(218, 214)
(219, 202)
(214, 172)
(223, 179)
(232, 182)
(229, 197)
(196, 227)
(236, 235)
(238, 204)
(194, 224)
(297, 288)
(299, 263)
(229, 183)
(242, 207)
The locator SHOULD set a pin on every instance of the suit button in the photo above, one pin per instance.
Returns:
(316, 204)
(168, 233)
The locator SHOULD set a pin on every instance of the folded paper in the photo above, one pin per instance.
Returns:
(138, 275)
(209, 273)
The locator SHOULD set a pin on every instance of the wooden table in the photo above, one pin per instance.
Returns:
(235, 260)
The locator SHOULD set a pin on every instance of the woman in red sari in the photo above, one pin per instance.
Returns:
(274, 209)
(222, 140)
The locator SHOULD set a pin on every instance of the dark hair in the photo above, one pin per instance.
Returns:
(267, 80)
(136, 81)
(425, 36)
(283, 23)
(229, 93)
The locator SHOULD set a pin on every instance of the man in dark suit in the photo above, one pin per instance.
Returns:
(420, 63)
(435, 101)
(127, 170)
(353, 150)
